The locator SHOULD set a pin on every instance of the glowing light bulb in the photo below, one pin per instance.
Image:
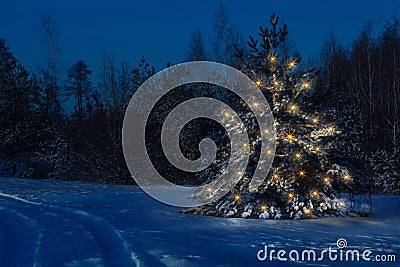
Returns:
(302, 173)
(290, 137)
(245, 144)
(263, 207)
(237, 197)
(292, 64)
(269, 152)
(315, 120)
(258, 83)
(209, 190)
(307, 211)
(290, 195)
(314, 193)
(317, 149)
(273, 59)
(240, 173)
(293, 107)
(346, 177)
(342, 204)
(306, 85)
(326, 180)
(298, 156)
(276, 83)
(276, 176)
(255, 104)
(331, 129)
(226, 114)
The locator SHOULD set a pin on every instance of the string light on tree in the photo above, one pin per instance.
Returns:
(346, 177)
(293, 108)
(290, 136)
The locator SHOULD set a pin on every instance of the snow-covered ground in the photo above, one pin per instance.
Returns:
(54, 223)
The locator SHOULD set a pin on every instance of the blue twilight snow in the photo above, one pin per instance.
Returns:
(53, 223)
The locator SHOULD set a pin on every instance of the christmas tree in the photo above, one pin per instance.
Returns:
(304, 181)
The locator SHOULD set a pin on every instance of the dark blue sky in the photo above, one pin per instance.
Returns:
(160, 30)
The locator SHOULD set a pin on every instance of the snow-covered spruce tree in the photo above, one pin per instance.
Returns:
(303, 181)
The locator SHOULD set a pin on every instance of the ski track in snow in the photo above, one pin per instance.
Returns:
(18, 233)
(114, 251)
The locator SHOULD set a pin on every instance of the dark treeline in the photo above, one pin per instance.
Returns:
(362, 83)
(41, 140)
(41, 137)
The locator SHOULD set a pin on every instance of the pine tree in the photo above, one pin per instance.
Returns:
(304, 181)
(79, 84)
(23, 132)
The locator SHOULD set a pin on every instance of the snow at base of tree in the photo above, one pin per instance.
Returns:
(56, 223)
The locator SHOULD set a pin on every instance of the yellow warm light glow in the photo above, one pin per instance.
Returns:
(240, 173)
(209, 190)
(306, 85)
(266, 131)
(293, 107)
(258, 83)
(290, 195)
(331, 129)
(226, 114)
(237, 197)
(276, 176)
(263, 207)
(269, 152)
(307, 211)
(290, 136)
(273, 59)
(326, 180)
(302, 173)
(292, 64)
(298, 156)
(245, 145)
(317, 149)
(276, 83)
(342, 204)
(315, 120)
(346, 177)
(314, 193)
(255, 104)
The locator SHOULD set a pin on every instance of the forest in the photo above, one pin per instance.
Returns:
(65, 123)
